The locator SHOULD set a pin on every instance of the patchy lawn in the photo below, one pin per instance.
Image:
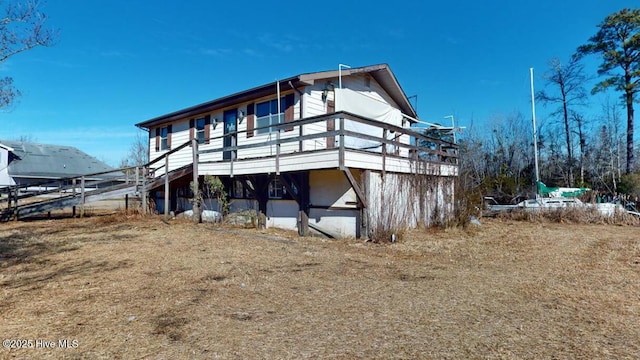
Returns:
(125, 287)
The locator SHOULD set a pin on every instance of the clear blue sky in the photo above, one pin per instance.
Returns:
(119, 62)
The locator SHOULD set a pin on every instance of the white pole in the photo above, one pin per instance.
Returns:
(340, 66)
(535, 131)
(278, 133)
(453, 126)
(278, 94)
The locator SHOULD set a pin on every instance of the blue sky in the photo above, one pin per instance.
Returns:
(120, 62)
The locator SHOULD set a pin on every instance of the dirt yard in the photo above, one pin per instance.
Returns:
(118, 287)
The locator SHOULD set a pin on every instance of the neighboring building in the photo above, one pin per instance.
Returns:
(335, 147)
(27, 163)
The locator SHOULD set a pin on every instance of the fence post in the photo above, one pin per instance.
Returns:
(73, 192)
(82, 196)
(15, 215)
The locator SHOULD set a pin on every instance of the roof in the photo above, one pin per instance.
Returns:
(50, 161)
(381, 73)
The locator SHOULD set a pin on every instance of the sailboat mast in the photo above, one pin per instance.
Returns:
(535, 131)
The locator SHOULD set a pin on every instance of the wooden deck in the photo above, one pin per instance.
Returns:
(394, 149)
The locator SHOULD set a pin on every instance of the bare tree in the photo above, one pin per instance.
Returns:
(580, 122)
(506, 162)
(25, 138)
(138, 151)
(568, 79)
(21, 28)
(605, 150)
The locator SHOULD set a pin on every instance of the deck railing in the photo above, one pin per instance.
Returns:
(68, 187)
(419, 146)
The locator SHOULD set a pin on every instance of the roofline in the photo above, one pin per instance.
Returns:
(294, 82)
(8, 148)
(228, 100)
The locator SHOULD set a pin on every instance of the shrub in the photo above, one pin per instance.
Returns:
(630, 184)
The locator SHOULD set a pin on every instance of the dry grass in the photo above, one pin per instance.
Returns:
(135, 288)
(573, 215)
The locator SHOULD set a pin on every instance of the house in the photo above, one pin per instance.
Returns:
(332, 150)
(28, 163)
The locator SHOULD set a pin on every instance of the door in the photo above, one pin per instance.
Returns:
(230, 135)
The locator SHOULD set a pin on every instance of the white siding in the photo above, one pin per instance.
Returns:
(330, 188)
(5, 179)
(374, 90)
(313, 105)
(282, 214)
(343, 222)
(405, 201)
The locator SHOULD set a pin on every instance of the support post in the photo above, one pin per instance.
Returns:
(303, 223)
(197, 214)
(262, 221)
(278, 151)
(365, 177)
(354, 184)
(73, 191)
(233, 153)
(384, 153)
(166, 187)
(143, 192)
(341, 150)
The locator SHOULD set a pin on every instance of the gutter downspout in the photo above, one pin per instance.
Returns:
(299, 93)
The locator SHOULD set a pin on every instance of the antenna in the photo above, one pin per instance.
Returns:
(340, 66)
(415, 107)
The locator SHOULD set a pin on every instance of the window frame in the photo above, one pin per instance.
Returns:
(164, 138)
(239, 191)
(275, 187)
(200, 133)
(263, 127)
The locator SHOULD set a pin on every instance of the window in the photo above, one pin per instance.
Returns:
(164, 133)
(238, 190)
(275, 189)
(267, 114)
(200, 135)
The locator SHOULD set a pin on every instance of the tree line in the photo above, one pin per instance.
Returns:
(574, 150)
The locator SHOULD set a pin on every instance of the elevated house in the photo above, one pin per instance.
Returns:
(41, 165)
(332, 150)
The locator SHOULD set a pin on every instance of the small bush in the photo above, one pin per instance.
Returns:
(385, 235)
